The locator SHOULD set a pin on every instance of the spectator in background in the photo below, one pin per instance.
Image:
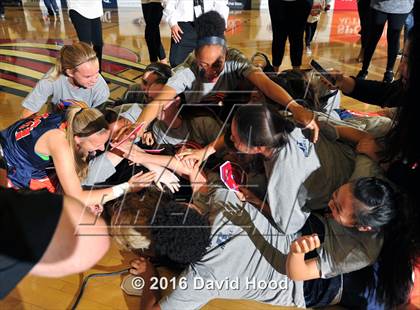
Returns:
(2, 16)
(408, 25)
(382, 11)
(52, 7)
(86, 19)
(181, 16)
(152, 13)
(288, 20)
(312, 22)
(363, 7)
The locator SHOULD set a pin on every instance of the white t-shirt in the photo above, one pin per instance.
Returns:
(87, 8)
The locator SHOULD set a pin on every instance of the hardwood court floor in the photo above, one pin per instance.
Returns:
(28, 47)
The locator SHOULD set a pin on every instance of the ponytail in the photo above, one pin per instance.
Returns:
(398, 255)
(382, 208)
(260, 125)
(70, 57)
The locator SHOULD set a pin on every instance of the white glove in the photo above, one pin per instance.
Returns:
(164, 176)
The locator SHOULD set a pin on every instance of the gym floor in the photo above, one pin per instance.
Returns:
(29, 43)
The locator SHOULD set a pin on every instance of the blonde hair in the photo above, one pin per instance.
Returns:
(132, 216)
(82, 122)
(72, 56)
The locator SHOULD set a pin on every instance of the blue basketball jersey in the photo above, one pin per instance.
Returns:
(18, 143)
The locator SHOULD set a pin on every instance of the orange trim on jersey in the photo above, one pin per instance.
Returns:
(37, 184)
(63, 126)
(46, 183)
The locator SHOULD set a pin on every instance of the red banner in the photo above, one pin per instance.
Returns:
(345, 5)
(345, 27)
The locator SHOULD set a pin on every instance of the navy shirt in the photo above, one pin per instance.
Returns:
(18, 143)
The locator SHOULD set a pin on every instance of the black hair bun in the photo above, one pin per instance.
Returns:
(210, 24)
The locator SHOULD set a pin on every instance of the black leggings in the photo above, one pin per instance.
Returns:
(152, 13)
(363, 7)
(310, 30)
(288, 20)
(89, 31)
(180, 51)
(377, 23)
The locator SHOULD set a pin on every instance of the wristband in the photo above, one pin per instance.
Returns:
(121, 189)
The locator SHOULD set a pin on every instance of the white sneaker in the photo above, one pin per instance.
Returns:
(308, 50)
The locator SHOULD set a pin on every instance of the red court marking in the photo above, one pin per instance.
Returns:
(19, 80)
(23, 62)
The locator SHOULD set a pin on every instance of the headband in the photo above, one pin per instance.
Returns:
(84, 61)
(211, 41)
(93, 127)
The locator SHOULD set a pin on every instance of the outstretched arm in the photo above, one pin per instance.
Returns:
(26, 113)
(135, 154)
(200, 155)
(365, 142)
(152, 109)
(352, 134)
(37, 97)
(58, 148)
(278, 94)
(74, 248)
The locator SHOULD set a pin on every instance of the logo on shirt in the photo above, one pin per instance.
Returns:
(25, 129)
(304, 146)
(223, 239)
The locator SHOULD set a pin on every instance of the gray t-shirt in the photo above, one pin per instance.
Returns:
(129, 111)
(302, 176)
(187, 77)
(61, 89)
(245, 248)
(393, 6)
(346, 249)
(201, 129)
